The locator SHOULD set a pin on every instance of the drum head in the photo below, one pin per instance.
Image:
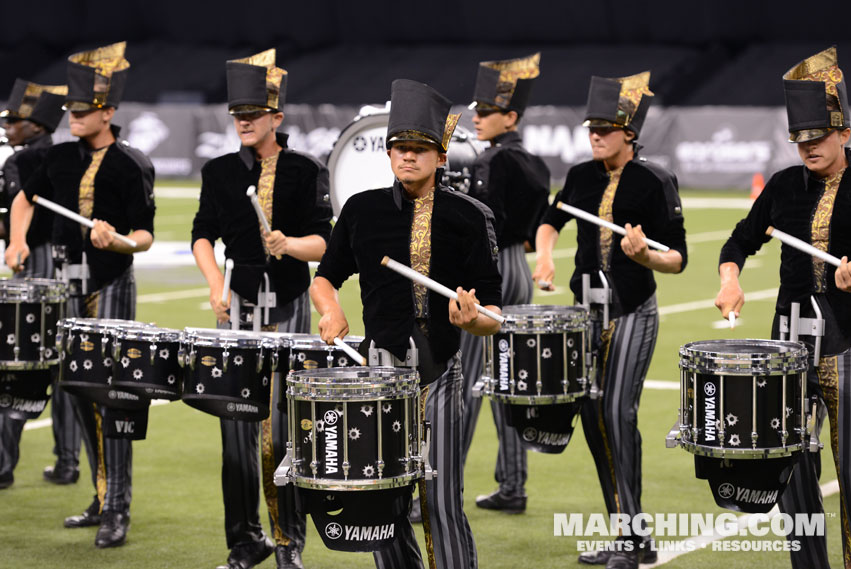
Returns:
(359, 161)
(33, 290)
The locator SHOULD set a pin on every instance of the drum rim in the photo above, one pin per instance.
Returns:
(366, 121)
(744, 363)
(315, 342)
(352, 484)
(33, 290)
(204, 337)
(172, 334)
(99, 325)
(364, 373)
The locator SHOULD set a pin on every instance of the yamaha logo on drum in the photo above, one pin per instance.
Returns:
(530, 434)
(330, 417)
(334, 530)
(503, 364)
(726, 490)
(709, 389)
(5, 400)
(709, 405)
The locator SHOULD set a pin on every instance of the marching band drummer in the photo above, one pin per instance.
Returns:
(449, 237)
(812, 202)
(619, 187)
(515, 185)
(104, 179)
(292, 189)
(31, 115)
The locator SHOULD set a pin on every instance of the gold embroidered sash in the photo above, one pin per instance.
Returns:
(421, 247)
(266, 189)
(820, 231)
(86, 195)
(605, 212)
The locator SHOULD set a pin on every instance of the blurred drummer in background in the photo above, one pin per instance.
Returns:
(515, 185)
(813, 203)
(440, 233)
(31, 115)
(624, 189)
(102, 178)
(292, 189)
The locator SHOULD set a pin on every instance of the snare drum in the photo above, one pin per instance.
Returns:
(355, 428)
(148, 362)
(87, 367)
(309, 351)
(228, 373)
(24, 393)
(29, 311)
(358, 161)
(743, 398)
(539, 355)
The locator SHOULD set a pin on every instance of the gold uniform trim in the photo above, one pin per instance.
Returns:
(421, 249)
(820, 229)
(633, 88)
(449, 129)
(510, 71)
(605, 212)
(266, 191)
(86, 193)
(823, 66)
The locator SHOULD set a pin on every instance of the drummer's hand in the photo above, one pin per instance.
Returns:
(277, 243)
(100, 234)
(333, 324)
(730, 298)
(16, 254)
(843, 275)
(220, 308)
(462, 312)
(634, 246)
(544, 274)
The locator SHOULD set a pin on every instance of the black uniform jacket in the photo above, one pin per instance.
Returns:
(123, 196)
(463, 253)
(301, 206)
(788, 203)
(16, 171)
(515, 185)
(647, 195)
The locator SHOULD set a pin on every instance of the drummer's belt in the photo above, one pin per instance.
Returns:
(795, 326)
(76, 276)
(254, 315)
(597, 300)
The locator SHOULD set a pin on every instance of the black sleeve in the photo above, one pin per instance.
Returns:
(140, 192)
(672, 230)
(39, 184)
(315, 204)
(555, 216)
(749, 234)
(338, 263)
(206, 222)
(498, 185)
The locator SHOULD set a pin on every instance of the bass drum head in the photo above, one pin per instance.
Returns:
(359, 161)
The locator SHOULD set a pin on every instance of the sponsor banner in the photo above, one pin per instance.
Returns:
(707, 147)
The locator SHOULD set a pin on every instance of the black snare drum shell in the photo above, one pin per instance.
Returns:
(24, 394)
(133, 371)
(29, 338)
(545, 428)
(752, 486)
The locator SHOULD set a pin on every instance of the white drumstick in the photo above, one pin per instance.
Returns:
(44, 202)
(802, 246)
(226, 286)
(582, 214)
(353, 353)
(732, 318)
(544, 285)
(406, 271)
(251, 192)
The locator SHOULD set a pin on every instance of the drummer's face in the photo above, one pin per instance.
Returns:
(413, 162)
(256, 129)
(490, 124)
(609, 142)
(825, 156)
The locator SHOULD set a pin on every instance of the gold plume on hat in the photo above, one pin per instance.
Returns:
(274, 74)
(823, 66)
(510, 70)
(105, 60)
(449, 129)
(633, 88)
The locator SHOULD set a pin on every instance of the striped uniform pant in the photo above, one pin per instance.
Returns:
(241, 464)
(110, 459)
(610, 422)
(66, 430)
(454, 547)
(803, 494)
(511, 469)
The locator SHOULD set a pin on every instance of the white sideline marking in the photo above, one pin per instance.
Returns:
(173, 295)
(765, 294)
(42, 423)
(703, 540)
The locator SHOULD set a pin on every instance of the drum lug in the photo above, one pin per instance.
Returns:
(225, 358)
(153, 348)
(379, 464)
(595, 392)
(283, 474)
(478, 388)
(190, 359)
(672, 439)
(116, 349)
(104, 340)
(59, 342)
(181, 355)
(274, 362)
(754, 437)
(346, 467)
(428, 471)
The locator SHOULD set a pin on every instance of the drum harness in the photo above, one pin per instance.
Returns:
(602, 297)
(67, 272)
(795, 326)
(259, 313)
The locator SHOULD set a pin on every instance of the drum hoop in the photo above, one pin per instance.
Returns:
(741, 453)
(331, 484)
(35, 290)
(246, 339)
(351, 392)
(304, 344)
(720, 362)
(100, 325)
(149, 334)
(536, 399)
(541, 318)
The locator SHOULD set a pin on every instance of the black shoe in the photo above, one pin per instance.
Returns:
(6, 480)
(113, 529)
(416, 514)
(602, 556)
(89, 518)
(499, 501)
(624, 560)
(61, 474)
(246, 556)
(288, 556)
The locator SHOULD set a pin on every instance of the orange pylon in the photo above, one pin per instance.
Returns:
(757, 184)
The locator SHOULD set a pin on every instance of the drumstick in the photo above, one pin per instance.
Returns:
(406, 271)
(802, 246)
(352, 353)
(252, 195)
(732, 318)
(226, 287)
(44, 202)
(582, 214)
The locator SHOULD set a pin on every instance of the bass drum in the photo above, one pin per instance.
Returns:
(359, 162)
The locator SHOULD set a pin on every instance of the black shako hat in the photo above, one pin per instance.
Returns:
(96, 78)
(505, 85)
(418, 112)
(816, 98)
(41, 104)
(620, 102)
(256, 84)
